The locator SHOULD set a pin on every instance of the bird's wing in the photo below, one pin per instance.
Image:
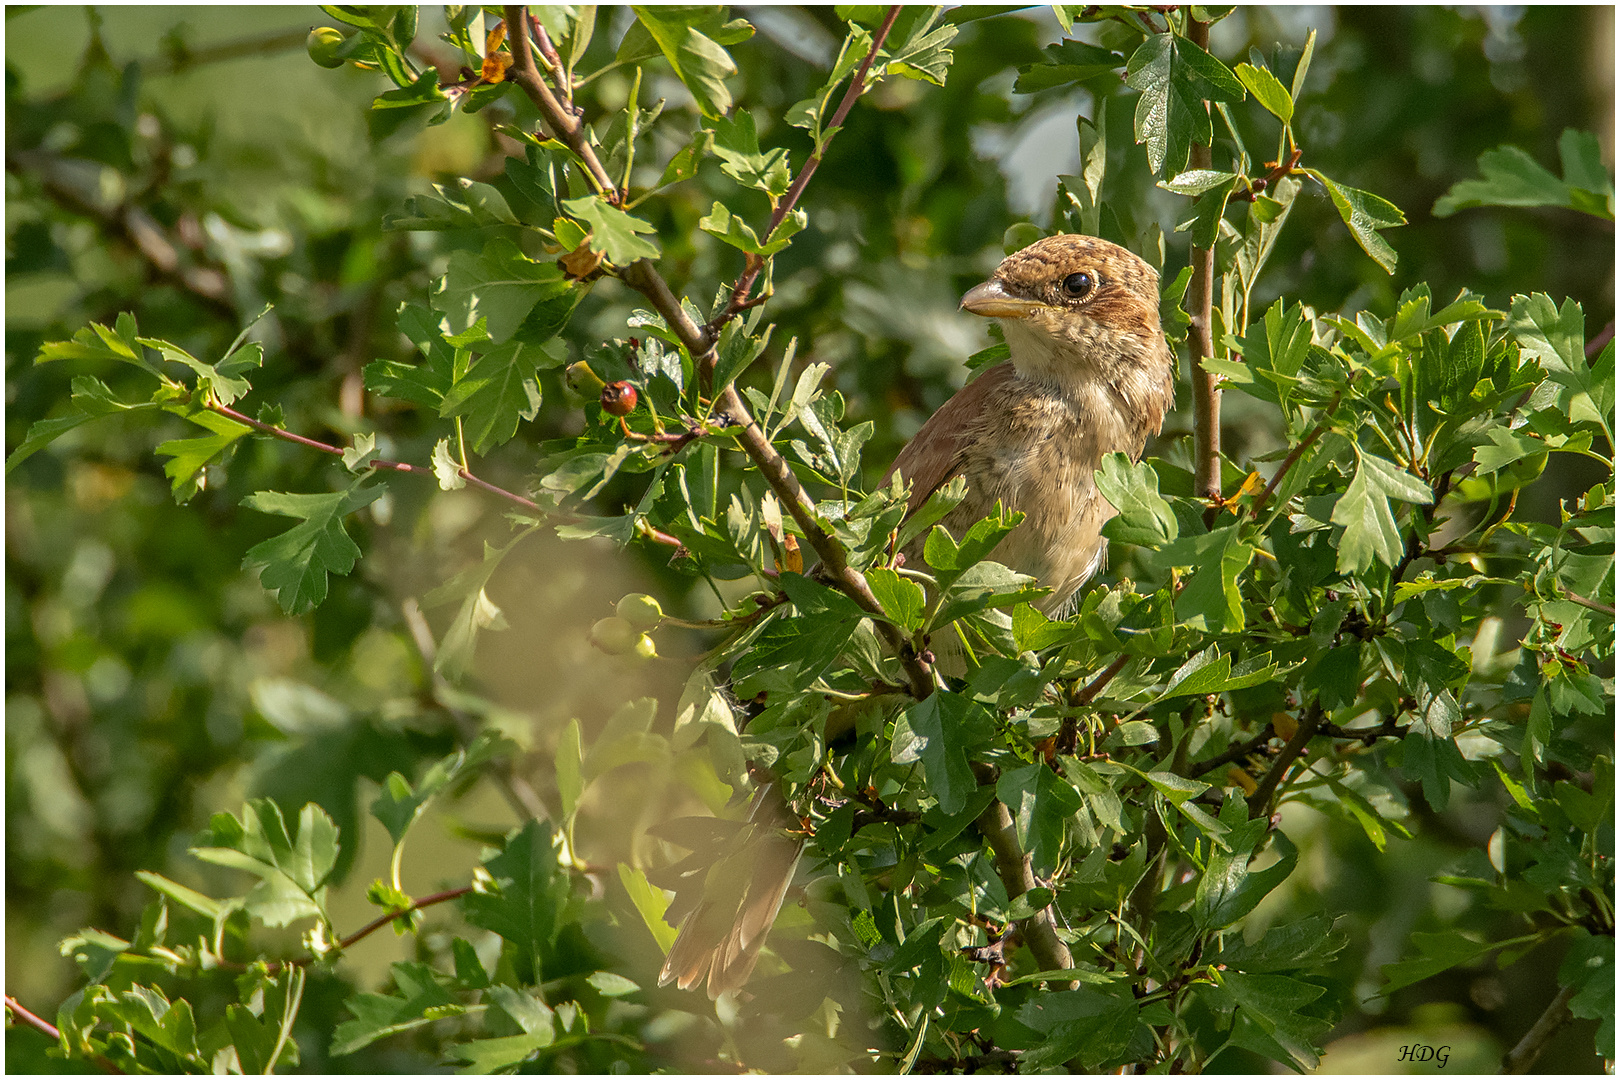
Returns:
(934, 454)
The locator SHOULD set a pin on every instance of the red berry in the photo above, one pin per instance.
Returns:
(619, 398)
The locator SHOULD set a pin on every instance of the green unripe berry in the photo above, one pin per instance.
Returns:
(323, 43)
(640, 610)
(645, 649)
(615, 636)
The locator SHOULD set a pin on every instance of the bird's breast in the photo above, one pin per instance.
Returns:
(1035, 451)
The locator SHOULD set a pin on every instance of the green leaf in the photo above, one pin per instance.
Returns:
(1132, 488)
(1067, 62)
(939, 731)
(264, 1042)
(615, 234)
(500, 1054)
(421, 999)
(1211, 599)
(527, 903)
(292, 867)
(1176, 77)
(1210, 672)
(398, 804)
(650, 904)
(1269, 1021)
(498, 390)
(923, 55)
(97, 342)
(1435, 953)
(1094, 1024)
(476, 613)
(736, 144)
(190, 455)
(91, 399)
(1365, 213)
(1041, 802)
(1363, 510)
(170, 1026)
(1267, 90)
(952, 561)
(902, 599)
(225, 387)
(1511, 177)
(1228, 889)
(697, 57)
(1589, 965)
(500, 285)
(296, 563)
(467, 205)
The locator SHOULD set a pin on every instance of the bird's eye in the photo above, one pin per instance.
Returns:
(1077, 285)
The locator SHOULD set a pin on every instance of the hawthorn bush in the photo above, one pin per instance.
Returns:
(1188, 827)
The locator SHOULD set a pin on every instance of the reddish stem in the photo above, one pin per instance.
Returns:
(45, 1027)
(376, 924)
(406, 467)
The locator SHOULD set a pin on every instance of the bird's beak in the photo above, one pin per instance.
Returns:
(993, 301)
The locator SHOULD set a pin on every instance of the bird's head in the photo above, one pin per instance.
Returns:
(1077, 309)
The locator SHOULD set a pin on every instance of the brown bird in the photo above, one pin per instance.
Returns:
(1090, 374)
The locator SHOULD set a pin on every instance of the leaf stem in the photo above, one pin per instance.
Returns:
(1200, 338)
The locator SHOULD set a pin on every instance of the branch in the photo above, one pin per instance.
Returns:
(519, 794)
(1095, 686)
(1235, 753)
(1529, 1048)
(1017, 876)
(754, 264)
(23, 1016)
(642, 276)
(1289, 461)
(374, 925)
(1200, 339)
(558, 118)
(419, 470)
(1260, 801)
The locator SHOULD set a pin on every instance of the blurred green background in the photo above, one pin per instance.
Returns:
(191, 165)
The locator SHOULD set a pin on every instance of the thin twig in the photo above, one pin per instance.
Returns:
(45, 1027)
(1260, 801)
(1095, 686)
(1529, 1048)
(373, 926)
(419, 470)
(1279, 169)
(1235, 753)
(1293, 456)
(754, 264)
(1595, 605)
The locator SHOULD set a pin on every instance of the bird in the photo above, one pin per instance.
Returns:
(1088, 373)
